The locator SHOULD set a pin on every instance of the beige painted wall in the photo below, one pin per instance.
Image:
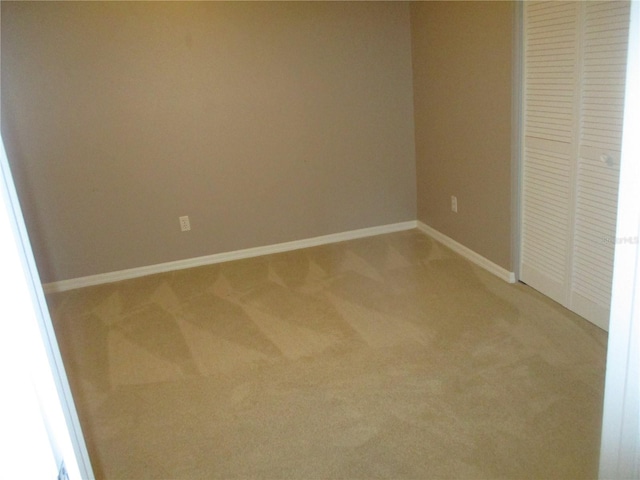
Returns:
(264, 122)
(462, 67)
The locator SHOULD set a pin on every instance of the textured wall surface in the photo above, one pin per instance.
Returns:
(462, 64)
(264, 122)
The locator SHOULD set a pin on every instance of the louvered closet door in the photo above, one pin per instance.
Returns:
(604, 53)
(574, 70)
(550, 94)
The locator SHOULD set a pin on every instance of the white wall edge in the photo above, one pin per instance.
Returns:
(467, 253)
(620, 441)
(517, 139)
(117, 276)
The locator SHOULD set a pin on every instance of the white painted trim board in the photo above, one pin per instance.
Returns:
(117, 276)
(467, 253)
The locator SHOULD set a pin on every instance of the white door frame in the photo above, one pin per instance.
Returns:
(620, 446)
(40, 428)
(517, 120)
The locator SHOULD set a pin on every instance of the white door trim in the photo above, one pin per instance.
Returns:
(620, 447)
(26, 323)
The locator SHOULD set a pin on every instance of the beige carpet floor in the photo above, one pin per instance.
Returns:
(385, 357)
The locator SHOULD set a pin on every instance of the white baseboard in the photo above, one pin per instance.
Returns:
(467, 253)
(110, 277)
(102, 278)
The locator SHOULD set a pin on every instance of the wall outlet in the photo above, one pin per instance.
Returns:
(185, 225)
(454, 204)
